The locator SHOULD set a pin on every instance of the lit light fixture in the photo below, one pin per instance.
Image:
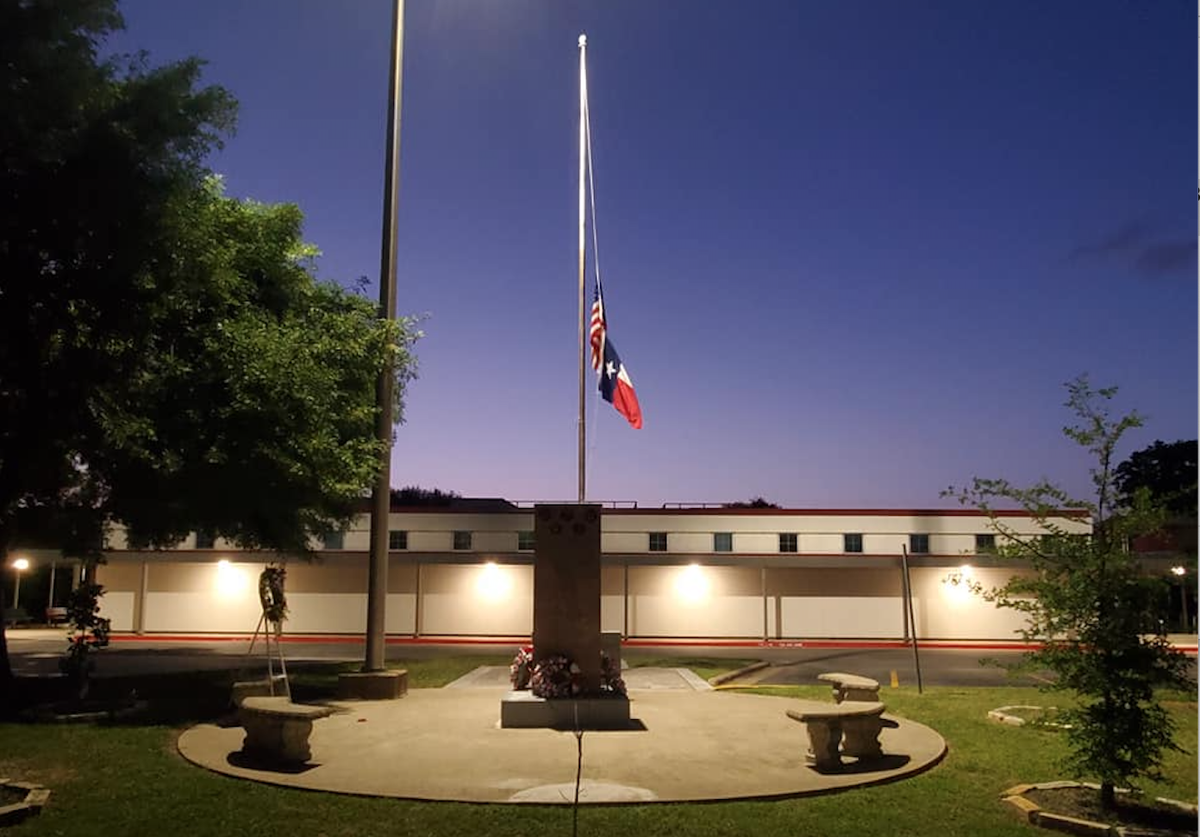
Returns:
(493, 583)
(1178, 570)
(20, 565)
(959, 584)
(691, 583)
(231, 580)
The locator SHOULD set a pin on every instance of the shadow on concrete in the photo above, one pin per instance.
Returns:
(248, 762)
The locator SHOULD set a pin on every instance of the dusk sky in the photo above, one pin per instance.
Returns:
(851, 251)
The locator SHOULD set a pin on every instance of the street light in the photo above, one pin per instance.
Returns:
(20, 565)
(1179, 572)
(377, 561)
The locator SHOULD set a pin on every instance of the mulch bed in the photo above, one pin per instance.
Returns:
(1084, 803)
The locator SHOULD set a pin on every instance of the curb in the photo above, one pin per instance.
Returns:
(718, 679)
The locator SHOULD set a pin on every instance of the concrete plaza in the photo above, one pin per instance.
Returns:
(688, 743)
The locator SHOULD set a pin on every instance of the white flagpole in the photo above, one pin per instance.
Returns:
(583, 330)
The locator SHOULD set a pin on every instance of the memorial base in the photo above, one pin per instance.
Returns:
(522, 710)
(373, 685)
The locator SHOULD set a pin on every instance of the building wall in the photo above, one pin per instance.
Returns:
(690, 591)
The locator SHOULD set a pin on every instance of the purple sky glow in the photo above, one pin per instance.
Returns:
(851, 250)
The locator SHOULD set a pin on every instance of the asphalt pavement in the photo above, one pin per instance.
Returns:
(36, 652)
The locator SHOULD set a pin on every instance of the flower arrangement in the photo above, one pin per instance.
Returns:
(270, 593)
(521, 670)
(611, 682)
(555, 677)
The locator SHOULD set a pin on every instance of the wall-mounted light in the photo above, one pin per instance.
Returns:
(493, 582)
(691, 583)
(232, 581)
(959, 584)
(1178, 570)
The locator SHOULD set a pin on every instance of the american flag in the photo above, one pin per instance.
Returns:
(596, 330)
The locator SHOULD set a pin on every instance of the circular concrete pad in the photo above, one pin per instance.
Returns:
(443, 744)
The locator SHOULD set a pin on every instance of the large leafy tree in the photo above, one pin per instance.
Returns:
(167, 360)
(1167, 471)
(1091, 608)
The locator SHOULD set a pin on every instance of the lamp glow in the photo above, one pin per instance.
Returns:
(1177, 570)
(19, 566)
(231, 580)
(493, 583)
(957, 586)
(692, 584)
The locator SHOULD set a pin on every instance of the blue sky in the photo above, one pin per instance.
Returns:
(851, 251)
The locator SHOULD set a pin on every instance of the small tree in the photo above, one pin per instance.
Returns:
(1090, 607)
(89, 632)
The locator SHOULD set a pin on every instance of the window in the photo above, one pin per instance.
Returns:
(852, 542)
(397, 539)
(335, 540)
(525, 541)
(985, 544)
(722, 541)
(658, 541)
(462, 540)
(918, 544)
(205, 540)
(787, 542)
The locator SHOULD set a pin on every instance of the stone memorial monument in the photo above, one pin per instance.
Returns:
(566, 622)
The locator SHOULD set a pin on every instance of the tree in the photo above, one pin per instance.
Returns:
(1167, 471)
(756, 503)
(1090, 606)
(92, 153)
(414, 495)
(167, 360)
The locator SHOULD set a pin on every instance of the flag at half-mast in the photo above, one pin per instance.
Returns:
(616, 387)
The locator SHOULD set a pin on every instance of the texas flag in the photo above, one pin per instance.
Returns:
(616, 386)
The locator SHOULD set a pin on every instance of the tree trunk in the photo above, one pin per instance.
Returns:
(1108, 795)
(8, 683)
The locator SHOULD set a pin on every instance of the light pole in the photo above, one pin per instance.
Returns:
(20, 565)
(1179, 572)
(377, 571)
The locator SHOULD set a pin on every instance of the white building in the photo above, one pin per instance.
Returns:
(722, 573)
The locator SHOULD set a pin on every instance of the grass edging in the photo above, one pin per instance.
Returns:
(1034, 814)
(718, 679)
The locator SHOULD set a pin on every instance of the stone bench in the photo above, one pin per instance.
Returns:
(277, 729)
(860, 722)
(851, 686)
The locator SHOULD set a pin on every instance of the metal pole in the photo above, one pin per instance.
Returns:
(377, 572)
(50, 598)
(143, 590)
(1183, 598)
(417, 605)
(17, 591)
(763, 581)
(582, 247)
(625, 599)
(911, 617)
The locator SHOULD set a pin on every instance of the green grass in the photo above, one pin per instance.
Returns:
(130, 781)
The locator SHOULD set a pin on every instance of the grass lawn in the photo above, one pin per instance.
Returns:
(128, 781)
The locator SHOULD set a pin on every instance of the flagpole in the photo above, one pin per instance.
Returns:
(582, 248)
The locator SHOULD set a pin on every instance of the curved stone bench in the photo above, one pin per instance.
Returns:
(277, 729)
(859, 721)
(851, 686)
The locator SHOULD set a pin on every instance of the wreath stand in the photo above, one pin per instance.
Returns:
(270, 626)
(268, 629)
